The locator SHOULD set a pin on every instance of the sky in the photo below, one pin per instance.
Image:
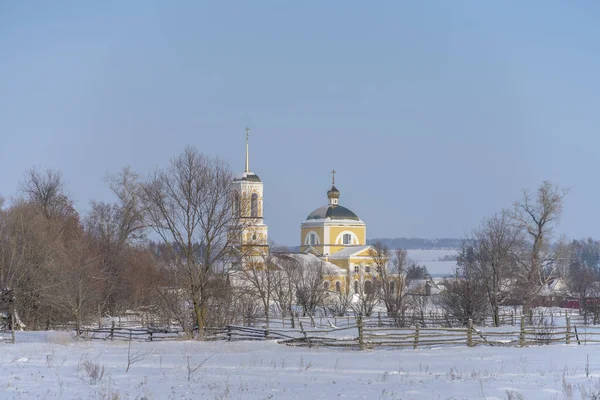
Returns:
(434, 113)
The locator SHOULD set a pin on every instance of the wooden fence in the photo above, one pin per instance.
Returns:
(363, 335)
(140, 334)
(424, 319)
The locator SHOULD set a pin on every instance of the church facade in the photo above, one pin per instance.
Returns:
(332, 235)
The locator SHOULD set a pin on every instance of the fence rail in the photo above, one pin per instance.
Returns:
(139, 334)
(364, 335)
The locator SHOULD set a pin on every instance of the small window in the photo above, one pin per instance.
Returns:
(378, 268)
(347, 238)
(356, 286)
(326, 285)
(356, 269)
(236, 204)
(392, 286)
(254, 205)
(313, 238)
(338, 286)
(368, 269)
(254, 237)
(368, 287)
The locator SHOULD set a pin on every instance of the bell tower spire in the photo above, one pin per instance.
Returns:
(247, 155)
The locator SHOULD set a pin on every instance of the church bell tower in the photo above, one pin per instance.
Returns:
(248, 203)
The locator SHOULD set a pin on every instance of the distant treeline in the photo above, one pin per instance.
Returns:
(418, 243)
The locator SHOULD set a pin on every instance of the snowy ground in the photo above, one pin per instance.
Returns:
(51, 365)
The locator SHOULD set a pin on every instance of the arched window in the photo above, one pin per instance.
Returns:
(326, 285)
(347, 238)
(392, 286)
(338, 286)
(356, 286)
(254, 205)
(313, 238)
(368, 287)
(236, 204)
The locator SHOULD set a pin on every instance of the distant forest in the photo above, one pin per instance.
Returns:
(418, 243)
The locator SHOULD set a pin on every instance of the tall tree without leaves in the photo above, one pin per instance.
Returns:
(495, 244)
(391, 267)
(537, 215)
(117, 227)
(190, 206)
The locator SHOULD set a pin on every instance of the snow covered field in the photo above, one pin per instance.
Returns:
(431, 259)
(50, 365)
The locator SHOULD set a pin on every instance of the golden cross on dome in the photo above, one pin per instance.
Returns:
(333, 177)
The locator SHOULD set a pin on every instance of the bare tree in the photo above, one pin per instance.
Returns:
(494, 247)
(308, 282)
(117, 227)
(189, 205)
(284, 287)
(583, 273)
(259, 275)
(463, 294)
(391, 267)
(537, 216)
(78, 283)
(368, 294)
(46, 189)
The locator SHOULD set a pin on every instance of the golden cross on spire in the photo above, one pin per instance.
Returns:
(333, 177)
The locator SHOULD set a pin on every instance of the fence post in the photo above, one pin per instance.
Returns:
(304, 333)
(423, 318)
(267, 333)
(470, 333)
(512, 318)
(12, 323)
(229, 333)
(359, 323)
(112, 329)
(522, 332)
(416, 342)
(379, 319)
(150, 332)
(568, 330)
(531, 316)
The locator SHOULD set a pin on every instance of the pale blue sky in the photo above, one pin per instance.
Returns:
(434, 113)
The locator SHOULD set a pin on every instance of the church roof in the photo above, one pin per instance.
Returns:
(349, 251)
(310, 260)
(248, 176)
(333, 212)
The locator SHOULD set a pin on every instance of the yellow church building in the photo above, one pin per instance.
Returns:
(331, 234)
